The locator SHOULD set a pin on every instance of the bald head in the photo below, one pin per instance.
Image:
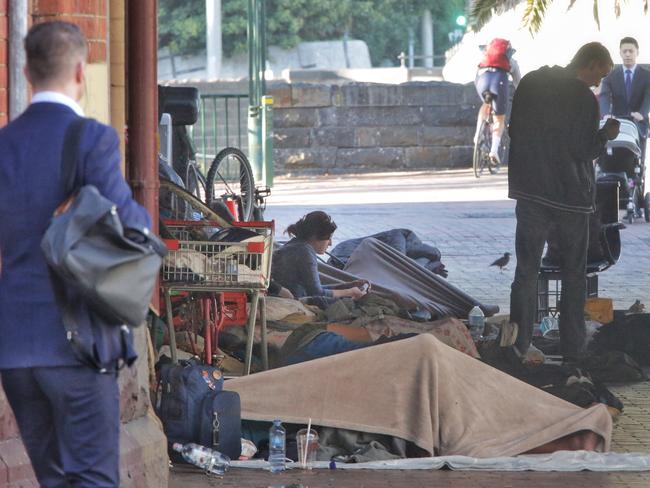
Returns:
(55, 50)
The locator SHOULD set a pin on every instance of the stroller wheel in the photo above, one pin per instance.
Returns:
(646, 207)
(630, 216)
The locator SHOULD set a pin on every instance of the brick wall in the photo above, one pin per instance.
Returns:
(4, 81)
(89, 15)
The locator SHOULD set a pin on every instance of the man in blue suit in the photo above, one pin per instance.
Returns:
(625, 92)
(67, 413)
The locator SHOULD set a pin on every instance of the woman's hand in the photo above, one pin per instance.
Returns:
(361, 284)
(356, 293)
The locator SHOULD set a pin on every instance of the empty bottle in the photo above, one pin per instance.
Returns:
(211, 461)
(476, 322)
(277, 447)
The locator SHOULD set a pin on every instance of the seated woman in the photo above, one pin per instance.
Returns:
(295, 265)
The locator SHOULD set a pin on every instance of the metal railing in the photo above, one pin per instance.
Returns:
(403, 57)
(222, 123)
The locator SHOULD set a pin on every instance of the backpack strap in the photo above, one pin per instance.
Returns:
(70, 154)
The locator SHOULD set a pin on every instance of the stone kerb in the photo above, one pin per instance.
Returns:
(358, 127)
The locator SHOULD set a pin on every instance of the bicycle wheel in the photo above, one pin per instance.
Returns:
(481, 157)
(195, 181)
(231, 176)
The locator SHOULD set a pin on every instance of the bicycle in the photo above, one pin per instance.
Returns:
(481, 159)
(230, 177)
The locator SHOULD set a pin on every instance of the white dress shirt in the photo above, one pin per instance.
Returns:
(56, 97)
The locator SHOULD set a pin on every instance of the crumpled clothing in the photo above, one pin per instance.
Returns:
(370, 307)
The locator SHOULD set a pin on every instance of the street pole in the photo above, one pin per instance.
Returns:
(18, 90)
(259, 154)
(427, 39)
(411, 49)
(213, 38)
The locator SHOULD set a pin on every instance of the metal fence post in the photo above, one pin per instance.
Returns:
(267, 131)
(256, 84)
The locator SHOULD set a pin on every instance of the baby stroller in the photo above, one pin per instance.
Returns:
(624, 163)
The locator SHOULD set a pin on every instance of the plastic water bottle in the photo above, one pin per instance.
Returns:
(211, 461)
(549, 327)
(476, 322)
(277, 447)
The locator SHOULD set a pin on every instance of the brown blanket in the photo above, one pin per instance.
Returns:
(422, 391)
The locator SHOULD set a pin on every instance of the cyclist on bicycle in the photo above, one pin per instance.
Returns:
(492, 77)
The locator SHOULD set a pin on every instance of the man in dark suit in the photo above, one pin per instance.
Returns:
(625, 92)
(67, 413)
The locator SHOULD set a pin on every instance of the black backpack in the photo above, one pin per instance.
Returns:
(193, 407)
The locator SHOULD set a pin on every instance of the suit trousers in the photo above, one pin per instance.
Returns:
(69, 421)
(533, 222)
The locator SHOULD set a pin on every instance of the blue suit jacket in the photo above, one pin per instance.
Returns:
(31, 330)
(613, 100)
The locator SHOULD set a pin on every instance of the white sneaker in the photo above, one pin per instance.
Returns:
(496, 160)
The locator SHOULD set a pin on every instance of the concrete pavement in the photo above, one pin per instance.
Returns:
(472, 222)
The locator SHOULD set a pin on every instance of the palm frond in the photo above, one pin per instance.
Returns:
(481, 11)
(534, 14)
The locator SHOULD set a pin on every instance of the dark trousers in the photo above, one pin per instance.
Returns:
(533, 222)
(330, 343)
(69, 420)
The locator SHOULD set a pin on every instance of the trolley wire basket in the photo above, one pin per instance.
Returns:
(198, 256)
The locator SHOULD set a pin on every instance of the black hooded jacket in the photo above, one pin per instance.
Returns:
(554, 140)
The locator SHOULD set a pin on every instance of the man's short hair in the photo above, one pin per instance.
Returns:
(628, 40)
(53, 48)
(590, 53)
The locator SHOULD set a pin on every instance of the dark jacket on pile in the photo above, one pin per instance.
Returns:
(554, 168)
(403, 240)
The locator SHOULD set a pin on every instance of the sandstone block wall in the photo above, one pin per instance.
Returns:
(360, 127)
(352, 127)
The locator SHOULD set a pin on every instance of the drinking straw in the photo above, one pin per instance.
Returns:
(304, 454)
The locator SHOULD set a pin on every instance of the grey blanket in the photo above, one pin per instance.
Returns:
(402, 240)
(397, 277)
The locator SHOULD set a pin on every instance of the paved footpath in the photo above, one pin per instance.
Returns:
(472, 222)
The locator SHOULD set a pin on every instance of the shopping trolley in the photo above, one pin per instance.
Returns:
(218, 276)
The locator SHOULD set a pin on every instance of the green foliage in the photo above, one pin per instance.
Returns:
(483, 10)
(181, 25)
(382, 24)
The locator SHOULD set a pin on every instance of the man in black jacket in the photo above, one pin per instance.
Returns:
(625, 92)
(554, 140)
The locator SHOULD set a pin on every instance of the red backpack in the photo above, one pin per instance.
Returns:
(496, 55)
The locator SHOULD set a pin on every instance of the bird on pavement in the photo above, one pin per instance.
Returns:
(502, 262)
